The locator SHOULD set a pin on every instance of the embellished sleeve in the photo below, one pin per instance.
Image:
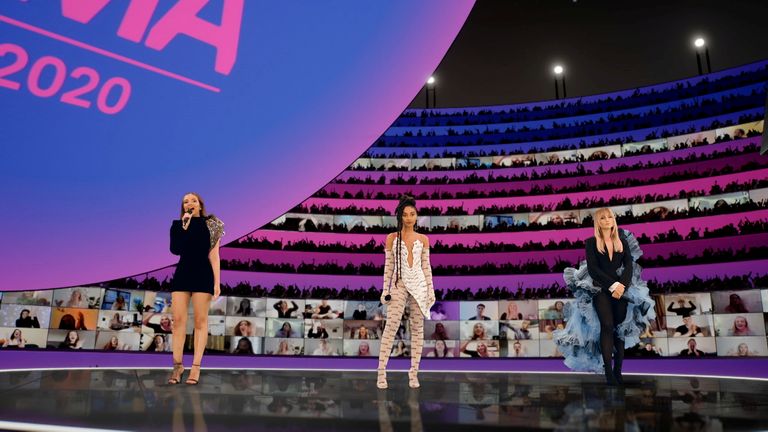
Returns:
(177, 238)
(216, 228)
(426, 267)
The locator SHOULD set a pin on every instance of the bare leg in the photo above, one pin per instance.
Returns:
(179, 305)
(201, 302)
(394, 314)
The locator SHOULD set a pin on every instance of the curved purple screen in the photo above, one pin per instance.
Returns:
(111, 111)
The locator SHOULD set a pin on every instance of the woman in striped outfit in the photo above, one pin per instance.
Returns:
(407, 281)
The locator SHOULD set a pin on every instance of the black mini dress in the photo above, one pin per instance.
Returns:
(194, 272)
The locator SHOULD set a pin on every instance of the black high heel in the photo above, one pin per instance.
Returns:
(190, 380)
(617, 364)
(174, 379)
(610, 380)
(617, 376)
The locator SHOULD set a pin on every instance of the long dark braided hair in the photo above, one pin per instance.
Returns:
(405, 201)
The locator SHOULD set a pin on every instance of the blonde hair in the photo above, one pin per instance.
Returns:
(617, 245)
(283, 347)
(476, 337)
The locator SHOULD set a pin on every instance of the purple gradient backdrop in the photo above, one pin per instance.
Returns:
(653, 250)
(470, 205)
(474, 283)
(548, 123)
(519, 238)
(570, 121)
(637, 135)
(478, 282)
(654, 159)
(604, 179)
(313, 87)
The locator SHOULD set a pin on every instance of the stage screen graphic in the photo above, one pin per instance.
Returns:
(112, 110)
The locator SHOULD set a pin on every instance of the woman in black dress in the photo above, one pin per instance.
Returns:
(612, 306)
(195, 238)
(607, 252)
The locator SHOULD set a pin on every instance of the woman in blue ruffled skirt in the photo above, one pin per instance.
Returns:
(612, 306)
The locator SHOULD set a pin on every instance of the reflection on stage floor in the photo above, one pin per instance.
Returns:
(325, 400)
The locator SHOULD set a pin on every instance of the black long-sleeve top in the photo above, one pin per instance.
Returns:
(28, 322)
(682, 311)
(602, 269)
(194, 272)
(288, 313)
(322, 334)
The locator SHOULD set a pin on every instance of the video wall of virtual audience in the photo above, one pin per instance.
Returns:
(519, 221)
(722, 323)
(506, 195)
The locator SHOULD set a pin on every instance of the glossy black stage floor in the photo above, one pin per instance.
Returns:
(349, 401)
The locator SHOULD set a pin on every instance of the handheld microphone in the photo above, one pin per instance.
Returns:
(189, 212)
(387, 297)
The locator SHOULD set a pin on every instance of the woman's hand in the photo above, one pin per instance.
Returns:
(216, 290)
(431, 297)
(185, 220)
(619, 291)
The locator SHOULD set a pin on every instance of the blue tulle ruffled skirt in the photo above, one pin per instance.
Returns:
(579, 342)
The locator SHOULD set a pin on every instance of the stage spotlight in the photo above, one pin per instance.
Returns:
(701, 45)
(431, 87)
(559, 76)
